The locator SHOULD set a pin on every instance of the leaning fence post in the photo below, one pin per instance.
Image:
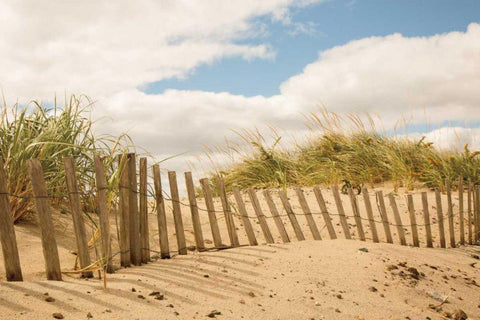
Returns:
(426, 220)
(460, 210)
(291, 215)
(197, 226)
(50, 250)
(477, 213)
(77, 215)
(177, 213)
(161, 216)
(244, 216)
(261, 217)
(212, 218)
(368, 208)
(469, 211)
(124, 205)
(441, 227)
(324, 211)
(341, 212)
(383, 214)
(308, 214)
(7, 232)
(276, 217)
(144, 232)
(232, 231)
(413, 220)
(398, 219)
(135, 248)
(356, 214)
(451, 227)
(101, 182)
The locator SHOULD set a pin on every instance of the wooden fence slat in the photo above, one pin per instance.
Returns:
(469, 211)
(383, 213)
(244, 216)
(197, 226)
(212, 218)
(324, 212)
(161, 214)
(451, 226)
(398, 219)
(308, 214)
(77, 215)
(461, 211)
(341, 211)
(144, 231)
(261, 217)
(135, 247)
(371, 220)
(356, 214)
(50, 250)
(13, 270)
(177, 213)
(477, 214)
(229, 221)
(426, 220)
(124, 204)
(103, 215)
(413, 220)
(441, 228)
(276, 217)
(291, 215)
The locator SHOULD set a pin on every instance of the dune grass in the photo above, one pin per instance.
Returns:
(361, 155)
(49, 134)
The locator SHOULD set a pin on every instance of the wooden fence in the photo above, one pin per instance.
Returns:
(133, 230)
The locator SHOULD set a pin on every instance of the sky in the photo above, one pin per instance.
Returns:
(178, 75)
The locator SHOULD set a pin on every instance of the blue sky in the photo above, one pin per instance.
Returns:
(334, 23)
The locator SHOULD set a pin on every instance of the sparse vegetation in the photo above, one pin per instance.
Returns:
(360, 155)
(49, 134)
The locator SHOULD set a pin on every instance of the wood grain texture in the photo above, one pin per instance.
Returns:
(135, 246)
(371, 221)
(323, 210)
(356, 214)
(413, 220)
(177, 213)
(426, 220)
(383, 214)
(161, 214)
(441, 227)
(192, 199)
(230, 222)
(291, 215)
(451, 226)
(252, 240)
(124, 205)
(260, 216)
(276, 217)
(144, 232)
(308, 214)
(398, 219)
(341, 212)
(212, 217)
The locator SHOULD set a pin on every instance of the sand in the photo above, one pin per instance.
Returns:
(328, 279)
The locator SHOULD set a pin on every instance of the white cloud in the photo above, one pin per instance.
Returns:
(103, 47)
(109, 49)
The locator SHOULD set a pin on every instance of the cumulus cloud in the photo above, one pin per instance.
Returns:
(104, 47)
(110, 49)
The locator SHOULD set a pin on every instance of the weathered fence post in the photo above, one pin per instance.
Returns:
(477, 213)
(177, 213)
(101, 182)
(276, 216)
(469, 211)
(460, 210)
(368, 208)
(244, 216)
(341, 212)
(135, 247)
(230, 222)
(144, 230)
(7, 232)
(77, 215)
(50, 250)
(291, 215)
(308, 214)
(124, 205)
(441, 227)
(413, 220)
(451, 226)
(356, 214)
(161, 216)
(383, 214)
(324, 211)
(197, 226)
(261, 217)
(426, 220)
(212, 218)
(398, 219)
